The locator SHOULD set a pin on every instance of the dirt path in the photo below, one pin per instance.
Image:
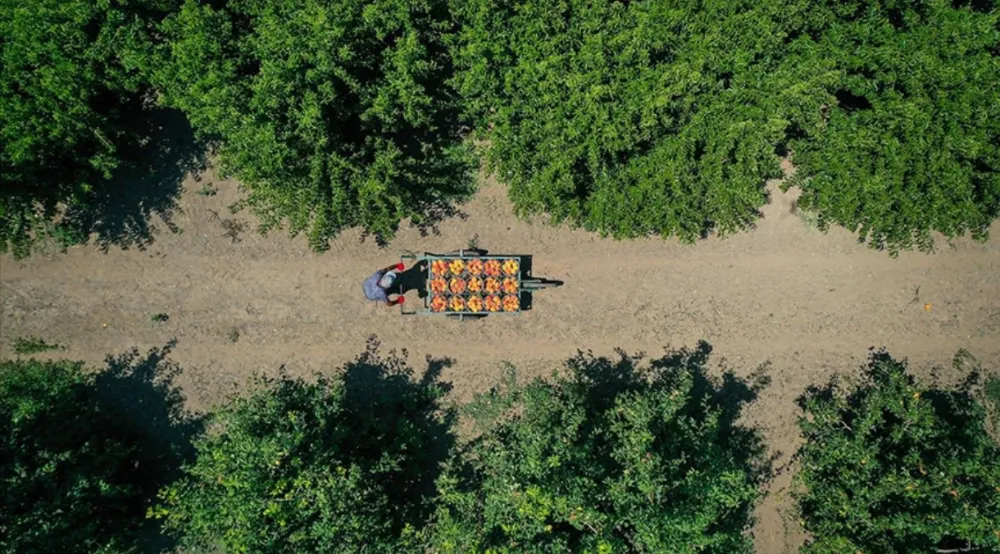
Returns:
(806, 302)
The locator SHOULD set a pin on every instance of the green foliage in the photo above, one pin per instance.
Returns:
(658, 117)
(890, 465)
(69, 70)
(908, 138)
(629, 118)
(609, 458)
(32, 345)
(69, 478)
(991, 391)
(333, 114)
(345, 464)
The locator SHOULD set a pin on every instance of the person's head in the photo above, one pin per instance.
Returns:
(387, 280)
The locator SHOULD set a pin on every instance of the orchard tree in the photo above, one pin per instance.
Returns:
(890, 465)
(611, 457)
(344, 464)
(69, 70)
(629, 118)
(333, 114)
(73, 475)
(909, 141)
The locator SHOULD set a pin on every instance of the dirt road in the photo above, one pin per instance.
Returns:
(807, 303)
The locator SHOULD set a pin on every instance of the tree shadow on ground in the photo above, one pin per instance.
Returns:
(390, 410)
(146, 184)
(139, 389)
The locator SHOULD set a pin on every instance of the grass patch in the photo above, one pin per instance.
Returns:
(33, 345)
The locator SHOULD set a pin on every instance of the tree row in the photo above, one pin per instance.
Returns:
(652, 117)
(620, 454)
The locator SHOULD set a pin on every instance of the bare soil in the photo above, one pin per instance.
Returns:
(806, 303)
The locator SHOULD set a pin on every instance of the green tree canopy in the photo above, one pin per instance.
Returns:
(75, 475)
(661, 117)
(909, 140)
(345, 464)
(69, 70)
(629, 118)
(333, 114)
(890, 465)
(612, 457)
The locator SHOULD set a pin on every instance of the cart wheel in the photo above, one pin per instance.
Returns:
(538, 284)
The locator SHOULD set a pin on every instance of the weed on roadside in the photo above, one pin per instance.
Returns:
(234, 335)
(33, 345)
(159, 318)
(233, 229)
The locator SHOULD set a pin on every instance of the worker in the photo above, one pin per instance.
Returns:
(377, 286)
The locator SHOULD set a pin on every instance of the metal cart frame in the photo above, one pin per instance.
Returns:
(525, 285)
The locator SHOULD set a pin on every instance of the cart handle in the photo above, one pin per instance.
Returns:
(402, 307)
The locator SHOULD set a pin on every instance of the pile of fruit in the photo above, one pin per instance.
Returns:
(475, 285)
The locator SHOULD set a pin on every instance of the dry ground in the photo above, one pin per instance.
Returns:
(805, 302)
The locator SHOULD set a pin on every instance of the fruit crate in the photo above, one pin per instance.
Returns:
(448, 280)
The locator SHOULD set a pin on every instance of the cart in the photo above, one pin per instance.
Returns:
(424, 264)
